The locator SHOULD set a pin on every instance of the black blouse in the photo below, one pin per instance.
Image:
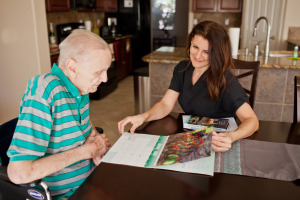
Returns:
(194, 98)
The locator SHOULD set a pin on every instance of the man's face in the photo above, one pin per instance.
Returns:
(92, 71)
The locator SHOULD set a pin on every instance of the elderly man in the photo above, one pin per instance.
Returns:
(54, 139)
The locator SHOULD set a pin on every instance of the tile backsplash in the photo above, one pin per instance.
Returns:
(235, 19)
(294, 33)
(72, 16)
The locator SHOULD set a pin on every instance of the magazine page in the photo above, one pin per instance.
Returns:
(192, 122)
(144, 150)
(187, 146)
(189, 152)
(200, 166)
(135, 150)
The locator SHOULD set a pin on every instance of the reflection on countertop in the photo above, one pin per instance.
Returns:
(176, 54)
(166, 54)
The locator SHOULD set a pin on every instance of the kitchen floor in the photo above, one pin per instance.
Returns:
(107, 112)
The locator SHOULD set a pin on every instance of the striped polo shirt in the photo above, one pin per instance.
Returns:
(53, 118)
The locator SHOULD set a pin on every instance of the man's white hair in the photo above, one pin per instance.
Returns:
(78, 45)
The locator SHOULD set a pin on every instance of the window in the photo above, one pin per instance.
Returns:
(163, 12)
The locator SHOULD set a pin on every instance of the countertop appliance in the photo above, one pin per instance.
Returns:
(134, 19)
(63, 30)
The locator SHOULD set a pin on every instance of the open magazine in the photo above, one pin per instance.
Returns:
(186, 152)
(219, 124)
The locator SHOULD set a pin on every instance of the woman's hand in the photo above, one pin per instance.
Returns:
(221, 142)
(136, 121)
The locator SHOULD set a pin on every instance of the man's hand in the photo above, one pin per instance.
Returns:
(96, 144)
(221, 142)
(97, 160)
(107, 142)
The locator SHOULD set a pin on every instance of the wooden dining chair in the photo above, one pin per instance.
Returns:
(247, 69)
(296, 99)
(294, 133)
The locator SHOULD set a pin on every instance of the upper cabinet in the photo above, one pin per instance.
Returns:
(107, 5)
(64, 5)
(233, 6)
(57, 5)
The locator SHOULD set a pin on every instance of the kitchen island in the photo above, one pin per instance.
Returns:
(274, 94)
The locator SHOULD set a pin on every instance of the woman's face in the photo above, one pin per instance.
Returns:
(199, 52)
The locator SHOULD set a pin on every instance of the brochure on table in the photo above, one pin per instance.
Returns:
(189, 153)
(231, 126)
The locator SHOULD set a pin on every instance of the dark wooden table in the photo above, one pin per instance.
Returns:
(110, 181)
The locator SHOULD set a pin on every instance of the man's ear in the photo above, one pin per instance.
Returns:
(71, 67)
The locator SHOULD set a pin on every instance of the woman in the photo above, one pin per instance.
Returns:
(204, 85)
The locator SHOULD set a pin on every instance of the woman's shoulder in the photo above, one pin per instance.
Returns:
(181, 65)
(229, 75)
(231, 80)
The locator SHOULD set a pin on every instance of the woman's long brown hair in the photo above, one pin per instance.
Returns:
(220, 59)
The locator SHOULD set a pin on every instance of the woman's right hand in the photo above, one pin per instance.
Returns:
(136, 121)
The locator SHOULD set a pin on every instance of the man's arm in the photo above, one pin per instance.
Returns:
(21, 172)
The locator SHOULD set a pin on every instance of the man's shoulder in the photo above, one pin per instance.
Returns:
(44, 84)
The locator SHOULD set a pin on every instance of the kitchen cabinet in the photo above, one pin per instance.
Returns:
(107, 5)
(123, 56)
(54, 58)
(229, 6)
(57, 5)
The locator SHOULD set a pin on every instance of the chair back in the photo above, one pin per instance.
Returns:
(294, 132)
(296, 99)
(6, 134)
(246, 69)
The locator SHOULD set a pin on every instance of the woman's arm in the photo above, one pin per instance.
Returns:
(158, 111)
(222, 141)
(249, 123)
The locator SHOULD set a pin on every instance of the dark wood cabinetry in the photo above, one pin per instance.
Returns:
(123, 56)
(233, 6)
(205, 5)
(107, 5)
(54, 59)
(57, 5)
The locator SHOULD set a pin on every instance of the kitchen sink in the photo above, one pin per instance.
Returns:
(279, 55)
(270, 54)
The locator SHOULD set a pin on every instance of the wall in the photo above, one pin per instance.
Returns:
(24, 50)
(290, 19)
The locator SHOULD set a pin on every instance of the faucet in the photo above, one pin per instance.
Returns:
(267, 47)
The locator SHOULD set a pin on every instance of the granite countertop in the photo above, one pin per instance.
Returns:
(177, 54)
(110, 38)
(166, 55)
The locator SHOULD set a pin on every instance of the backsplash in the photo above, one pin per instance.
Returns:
(72, 16)
(294, 33)
(235, 19)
